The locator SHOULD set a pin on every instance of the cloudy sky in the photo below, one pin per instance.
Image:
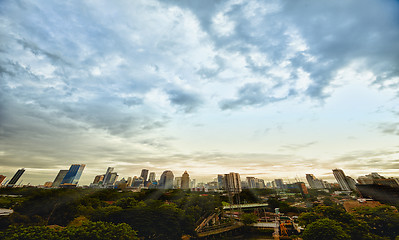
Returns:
(264, 88)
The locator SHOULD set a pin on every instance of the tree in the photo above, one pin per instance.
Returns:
(87, 231)
(249, 218)
(100, 231)
(324, 229)
(382, 221)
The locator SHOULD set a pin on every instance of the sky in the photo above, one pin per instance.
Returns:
(270, 89)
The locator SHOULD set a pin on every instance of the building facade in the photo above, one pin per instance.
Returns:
(73, 175)
(185, 181)
(166, 180)
(16, 177)
(58, 179)
(341, 179)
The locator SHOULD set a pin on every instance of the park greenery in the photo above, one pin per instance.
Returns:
(170, 214)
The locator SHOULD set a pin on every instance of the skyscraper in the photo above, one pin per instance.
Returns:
(314, 183)
(232, 182)
(166, 181)
(112, 179)
(58, 179)
(251, 182)
(16, 177)
(107, 175)
(152, 177)
(220, 181)
(279, 183)
(185, 180)
(341, 179)
(144, 174)
(98, 179)
(73, 175)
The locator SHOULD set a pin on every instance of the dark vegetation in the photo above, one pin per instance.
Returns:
(157, 214)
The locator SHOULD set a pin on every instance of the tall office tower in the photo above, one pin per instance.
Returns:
(315, 183)
(166, 181)
(177, 183)
(98, 179)
(193, 183)
(302, 188)
(2, 178)
(341, 179)
(251, 182)
(232, 182)
(261, 183)
(112, 179)
(58, 179)
(144, 174)
(351, 182)
(152, 177)
(73, 175)
(185, 180)
(279, 183)
(107, 175)
(129, 181)
(16, 177)
(220, 181)
(311, 180)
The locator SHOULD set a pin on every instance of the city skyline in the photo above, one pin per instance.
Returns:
(265, 89)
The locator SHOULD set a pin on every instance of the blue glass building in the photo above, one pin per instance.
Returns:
(73, 174)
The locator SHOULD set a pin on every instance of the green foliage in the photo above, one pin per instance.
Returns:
(128, 202)
(87, 231)
(307, 218)
(283, 206)
(100, 231)
(382, 221)
(324, 229)
(153, 221)
(365, 223)
(249, 218)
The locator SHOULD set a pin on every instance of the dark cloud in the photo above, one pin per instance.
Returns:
(185, 100)
(389, 128)
(252, 94)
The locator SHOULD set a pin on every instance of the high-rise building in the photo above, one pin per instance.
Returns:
(302, 188)
(232, 182)
(73, 175)
(144, 174)
(341, 179)
(112, 179)
(220, 181)
(351, 182)
(129, 182)
(16, 177)
(315, 183)
(177, 183)
(107, 175)
(152, 177)
(58, 179)
(193, 183)
(251, 182)
(279, 183)
(185, 180)
(2, 178)
(98, 179)
(166, 181)
(260, 183)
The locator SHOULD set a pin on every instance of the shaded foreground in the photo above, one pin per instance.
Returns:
(158, 214)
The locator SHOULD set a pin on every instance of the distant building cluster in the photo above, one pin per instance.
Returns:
(372, 185)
